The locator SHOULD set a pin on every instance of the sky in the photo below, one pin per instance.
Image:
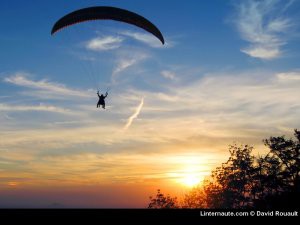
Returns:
(228, 73)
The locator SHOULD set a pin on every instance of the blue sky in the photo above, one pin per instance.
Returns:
(229, 72)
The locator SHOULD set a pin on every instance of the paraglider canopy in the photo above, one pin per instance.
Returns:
(107, 13)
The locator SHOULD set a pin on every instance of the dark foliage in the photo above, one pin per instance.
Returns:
(162, 202)
(265, 182)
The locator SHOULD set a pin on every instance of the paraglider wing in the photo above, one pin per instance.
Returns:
(108, 13)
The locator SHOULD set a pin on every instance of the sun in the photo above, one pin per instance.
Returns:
(190, 170)
(191, 180)
(191, 176)
(192, 173)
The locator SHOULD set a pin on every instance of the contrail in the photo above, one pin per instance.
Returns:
(134, 115)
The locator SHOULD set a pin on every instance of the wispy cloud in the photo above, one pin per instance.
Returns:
(201, 117)
(21, 79)
(168, 74)
(289, 76)
(146, 38)
(104, 43)
(288, 3)
(221, 104)
(40, 107)
(215, 105)
(124, 62)
(263, 25)
(134, 115)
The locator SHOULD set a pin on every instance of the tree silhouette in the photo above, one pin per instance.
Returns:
(230, 185)
(281, 173)
(271, 181)
(162, 202)
(196, 198)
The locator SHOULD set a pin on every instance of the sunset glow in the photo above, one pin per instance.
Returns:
(12, 184)
(191, 180)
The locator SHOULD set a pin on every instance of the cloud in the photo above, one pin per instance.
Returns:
(168, 74)
(41, 107)
(124, 62)
(21, 79)
(146, 38)
(262, 24)
(217, 105)
(288, 3)
(289, 76)
(236, 105)
(186, 118)
(5, 96)
(134, 115)
(104, 43)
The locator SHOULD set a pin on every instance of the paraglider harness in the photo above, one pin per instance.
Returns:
(101, 99)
